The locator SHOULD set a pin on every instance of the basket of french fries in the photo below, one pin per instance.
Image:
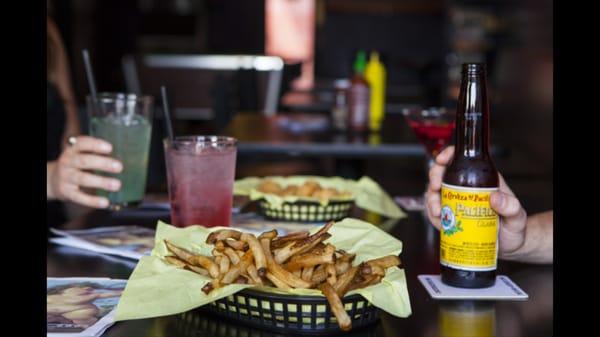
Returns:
(297, 260)
(297, 283)
(327, 204)
(314, 198)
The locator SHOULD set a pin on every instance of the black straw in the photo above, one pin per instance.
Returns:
(163, 92)
(90, 74)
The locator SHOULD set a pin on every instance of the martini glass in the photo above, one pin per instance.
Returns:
(433, 128)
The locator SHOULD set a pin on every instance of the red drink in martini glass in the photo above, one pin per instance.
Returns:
(433, 127)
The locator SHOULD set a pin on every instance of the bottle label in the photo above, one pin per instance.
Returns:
(359, 107)
(469, 233)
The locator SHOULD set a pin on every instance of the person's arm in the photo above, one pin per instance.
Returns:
(538, 243)
(61, 77)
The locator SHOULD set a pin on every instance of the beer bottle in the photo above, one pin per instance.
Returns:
(469, 233)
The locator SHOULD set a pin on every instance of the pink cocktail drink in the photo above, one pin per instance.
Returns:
(434, 135)
(200, 172)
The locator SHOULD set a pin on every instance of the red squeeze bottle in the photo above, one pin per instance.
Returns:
(358, 96)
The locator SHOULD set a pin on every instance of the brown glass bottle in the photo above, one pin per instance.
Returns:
(468, 238)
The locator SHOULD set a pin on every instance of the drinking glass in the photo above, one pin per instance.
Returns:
(125, 121)
(200, 173)
(433, 128)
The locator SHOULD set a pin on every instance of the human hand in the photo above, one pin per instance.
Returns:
(67, 175)
(513, 216)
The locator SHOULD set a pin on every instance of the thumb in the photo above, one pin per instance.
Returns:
(509, 208)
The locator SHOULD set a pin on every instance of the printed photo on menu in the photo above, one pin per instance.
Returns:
(131, 239)
(81, 305)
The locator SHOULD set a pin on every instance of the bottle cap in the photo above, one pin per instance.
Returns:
(361, 62)
(374, 57)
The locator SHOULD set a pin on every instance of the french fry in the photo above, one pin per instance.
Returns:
(197, 270)
(219, 246)
(279, 242)
(254, 275)
(269, 186)
(297, 273)
(307, 189)
(368, 269)
(236, 270)
(289, 190)
(224, 264)
(232, 255)
(307, 273)
(268, 235)
(287, 251)
(385, 262)
(241, 279)
(198, 260)
(222, 234)
(276, 281)
(260, 261)
(311, 259)
(341, 267)
(175, 261)
(343, 282)
(212, 285)
(331, 274)
(319, 233)
(337, 307)
(207, 264)
(278, 271)
(207, 288)
(236, 244)
(344, 257)
(364, 281)
(319, 274)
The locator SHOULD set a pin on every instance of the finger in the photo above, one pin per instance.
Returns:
(503, 186)
(91, 144)
(433, 203)
(75, 195)
(436, 173)
(434, 220)
(445, 156)
(509, 207)
(94, 162)
(505, 205)
(85, 179)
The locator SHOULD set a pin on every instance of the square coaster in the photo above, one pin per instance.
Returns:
(503, 289)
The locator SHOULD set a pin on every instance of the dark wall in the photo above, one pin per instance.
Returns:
(236, 26)
(411, 46)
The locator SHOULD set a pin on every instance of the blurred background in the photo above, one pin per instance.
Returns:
(422, 44)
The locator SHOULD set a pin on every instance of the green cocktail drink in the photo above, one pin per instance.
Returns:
(125, 122)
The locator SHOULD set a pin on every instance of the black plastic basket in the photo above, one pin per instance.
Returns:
(290, 313)
(306, 211)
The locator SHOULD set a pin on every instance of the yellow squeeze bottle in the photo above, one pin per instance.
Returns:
(375, 75)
